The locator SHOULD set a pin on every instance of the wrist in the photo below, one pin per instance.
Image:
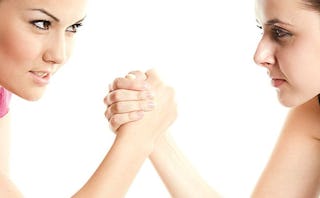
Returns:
(137, 142)
(164, 141)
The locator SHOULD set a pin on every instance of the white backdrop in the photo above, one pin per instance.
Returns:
(229, 117)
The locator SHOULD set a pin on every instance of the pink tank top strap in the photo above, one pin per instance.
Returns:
(5, 97)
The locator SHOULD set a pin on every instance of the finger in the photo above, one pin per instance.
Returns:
(121, 95)
(152, 75)
(118, 120)
(131, 76)
(138, 75)
(125, 83)
(129, 106)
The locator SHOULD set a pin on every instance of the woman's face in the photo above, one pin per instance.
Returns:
(36, 38)
(290, 48)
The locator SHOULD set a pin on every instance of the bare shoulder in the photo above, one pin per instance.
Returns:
(305, 119)
(294, 166)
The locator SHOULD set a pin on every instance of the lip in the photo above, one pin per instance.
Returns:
(277, 82)
(40, 78)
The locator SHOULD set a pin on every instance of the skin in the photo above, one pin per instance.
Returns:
(298, 32)
(289, 51)
(35, 41)
(27, 47)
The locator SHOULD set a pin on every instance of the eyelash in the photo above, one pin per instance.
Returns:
(277, 32)
(74, 27)
(45, 25)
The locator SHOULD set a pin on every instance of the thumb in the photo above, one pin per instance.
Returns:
(152, 75)
(136, 75)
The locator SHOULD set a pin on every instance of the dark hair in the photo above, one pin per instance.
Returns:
(315, 6)
(312, 4)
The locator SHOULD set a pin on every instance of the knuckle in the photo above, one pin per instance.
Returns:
(132, 116)
(107, 114)
(114, 97)
(115, 121)
(117, 82)
(115, 108)
(105, 100)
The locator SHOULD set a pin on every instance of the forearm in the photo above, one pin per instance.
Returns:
(177, 173)
(118, 169)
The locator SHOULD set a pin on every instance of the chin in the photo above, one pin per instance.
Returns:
(286, 104)
(31, 96)
(294, 101)
(288, 100)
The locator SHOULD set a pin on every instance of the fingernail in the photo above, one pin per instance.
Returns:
(131, 76)
(139, 115)
(147, 95)
(150, 95)
(146, 86)
(150, 105)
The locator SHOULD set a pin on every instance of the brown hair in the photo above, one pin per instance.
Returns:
(315, 6)
(310, 4)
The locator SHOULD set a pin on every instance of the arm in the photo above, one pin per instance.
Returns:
(134, 143)
(294, 167)
(132, 146)
(112, 178)
(117, 171)
(177, 173)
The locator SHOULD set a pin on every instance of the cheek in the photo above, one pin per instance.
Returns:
(70, 47)
(302, 67)
(18, 47)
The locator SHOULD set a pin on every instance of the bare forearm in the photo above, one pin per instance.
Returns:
(112, 178)
(177, 173)
(118, 169)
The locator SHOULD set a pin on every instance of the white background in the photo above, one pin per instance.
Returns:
(229, 116)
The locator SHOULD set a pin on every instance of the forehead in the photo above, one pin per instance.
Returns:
(289, 10)
(65, 10)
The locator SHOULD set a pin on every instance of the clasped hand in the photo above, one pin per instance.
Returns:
(140, 104)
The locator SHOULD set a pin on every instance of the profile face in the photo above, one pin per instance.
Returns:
(289, 48)
(36, 39)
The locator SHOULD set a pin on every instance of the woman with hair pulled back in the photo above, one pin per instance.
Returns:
(36, 39)
(289, 50)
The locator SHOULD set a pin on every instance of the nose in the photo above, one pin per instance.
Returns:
(264, 55)
(56, 51)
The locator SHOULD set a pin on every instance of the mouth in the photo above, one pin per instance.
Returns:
(40, 74)
(277, 82)
(40, 78)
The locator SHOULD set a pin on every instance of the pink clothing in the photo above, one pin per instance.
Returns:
(5, 97)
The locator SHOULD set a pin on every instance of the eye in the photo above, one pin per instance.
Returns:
(74, 28)
(278, 33)
(260, 28)
(41, 24)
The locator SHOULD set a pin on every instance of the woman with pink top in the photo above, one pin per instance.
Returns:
(36, 39)
(289, 49)
(5, 97)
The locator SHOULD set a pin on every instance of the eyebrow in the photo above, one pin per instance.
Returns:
(46, 13)
(274, 21)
